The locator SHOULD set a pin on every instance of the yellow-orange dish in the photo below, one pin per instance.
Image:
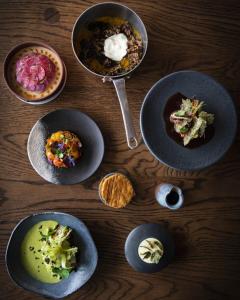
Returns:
(63, 149)
(116, 190)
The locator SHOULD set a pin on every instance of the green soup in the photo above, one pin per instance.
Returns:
(31, 252)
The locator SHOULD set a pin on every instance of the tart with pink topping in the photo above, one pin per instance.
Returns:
(34, 72)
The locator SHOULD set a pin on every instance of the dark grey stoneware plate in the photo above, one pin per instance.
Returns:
(218, 101)
(80, 124)
(137, 235)
(87, 260)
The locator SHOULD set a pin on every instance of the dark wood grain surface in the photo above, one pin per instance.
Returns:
(200, 35)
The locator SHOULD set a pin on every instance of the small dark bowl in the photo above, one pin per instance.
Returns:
(87, 261)
(87, 131)
(140, 233)
(10, 84)
(217, 101)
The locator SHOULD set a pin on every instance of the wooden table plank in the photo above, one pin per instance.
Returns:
(202, 35)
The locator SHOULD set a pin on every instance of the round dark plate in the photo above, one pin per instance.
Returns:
(80, 124)
(87, 261)
(218, 102)
(137, 235)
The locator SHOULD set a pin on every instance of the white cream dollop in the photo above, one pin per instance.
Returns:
(115, 46)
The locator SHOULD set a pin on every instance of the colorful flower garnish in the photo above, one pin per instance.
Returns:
(63, 149)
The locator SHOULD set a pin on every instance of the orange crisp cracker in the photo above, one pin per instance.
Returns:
(116, 190)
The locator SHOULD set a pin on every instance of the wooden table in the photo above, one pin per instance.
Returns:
(200, 35)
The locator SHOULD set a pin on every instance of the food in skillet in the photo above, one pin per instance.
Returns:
(35, 71)
(116, 190)
(47, 253)
(110, 46)
(63, 149)
(191, 121)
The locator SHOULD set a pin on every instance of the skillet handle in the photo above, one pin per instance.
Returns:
(119, 85)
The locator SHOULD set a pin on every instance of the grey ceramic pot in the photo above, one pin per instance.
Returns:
(122, 11)
(166, 194)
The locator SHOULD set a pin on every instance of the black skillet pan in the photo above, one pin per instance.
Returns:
(113, 10)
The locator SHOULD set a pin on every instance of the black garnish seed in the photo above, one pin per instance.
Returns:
(149, 243)
(40, 227)
(147, 254)
(31, 248)
(47, 260)
(34, 252)
(39, 250)
(36, 257)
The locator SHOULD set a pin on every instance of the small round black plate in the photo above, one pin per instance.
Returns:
(218, 102)
(140, 233)
(87, 261)
(87, 131)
